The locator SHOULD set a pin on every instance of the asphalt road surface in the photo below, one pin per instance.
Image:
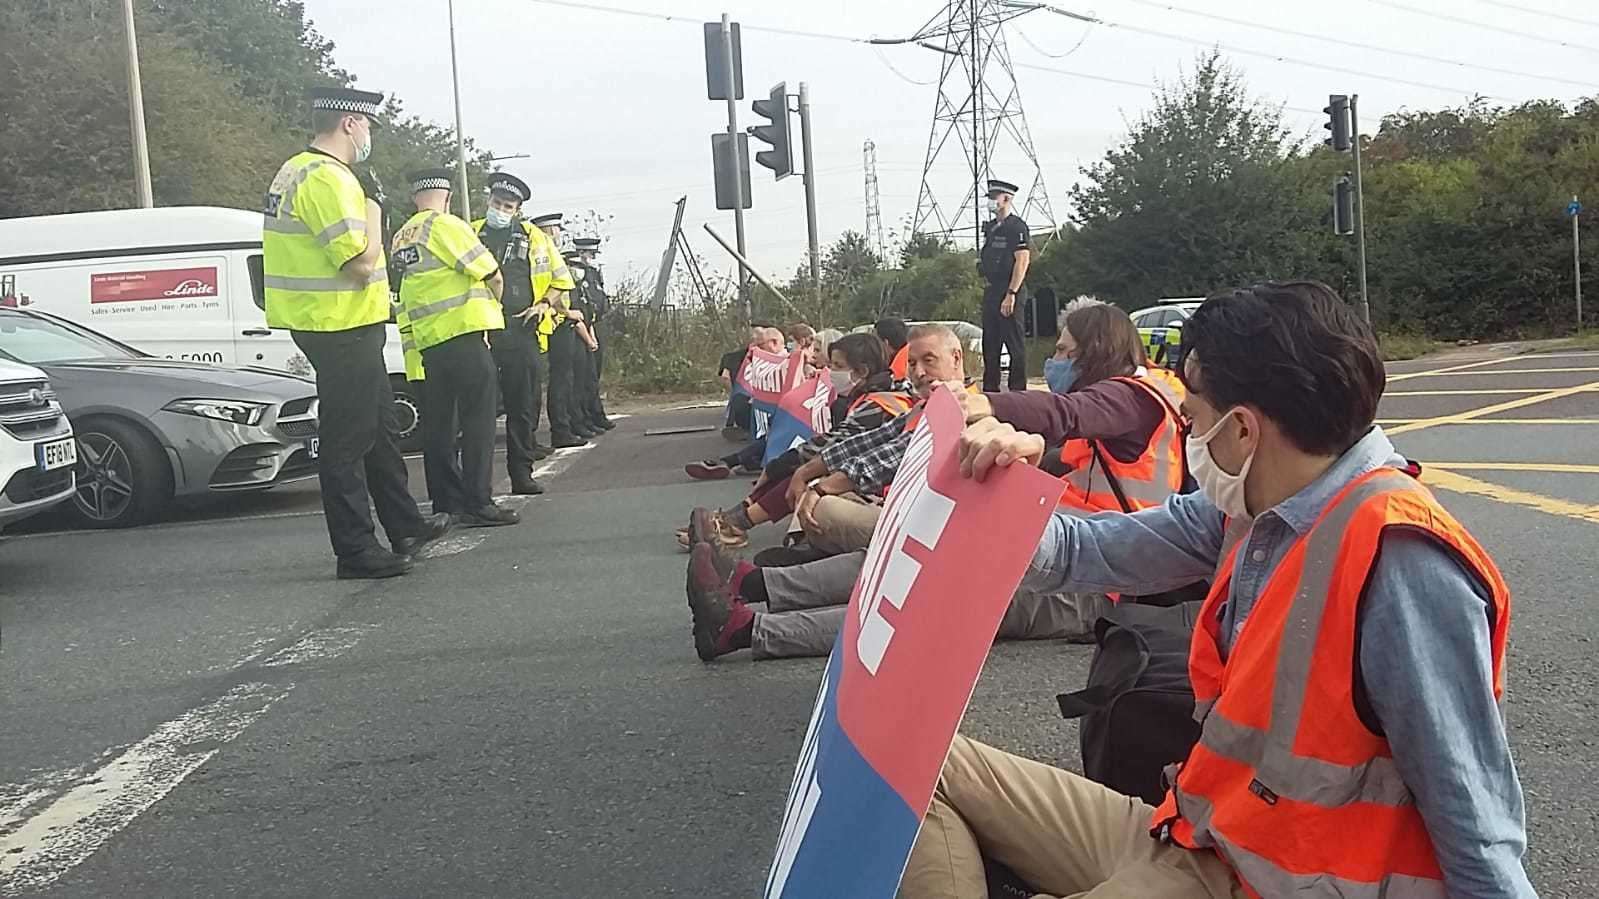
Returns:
(197, 709)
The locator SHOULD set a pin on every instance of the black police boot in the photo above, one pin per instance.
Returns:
(526, 486)
(490, 516)
(565, 441)
(434, 527)
(373, 564)
(603, 423)
(541, 452)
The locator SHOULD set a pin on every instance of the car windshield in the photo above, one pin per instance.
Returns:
(42, 341)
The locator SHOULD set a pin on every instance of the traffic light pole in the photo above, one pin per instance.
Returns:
(738, 164)
(1360, 205)
(1576, 255)
(141, 146)
(810, 191)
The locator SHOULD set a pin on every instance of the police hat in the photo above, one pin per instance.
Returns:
(431, 179)
(996, 186)
(547, 219)
(586, 244)
(347, 99)
(510, 186)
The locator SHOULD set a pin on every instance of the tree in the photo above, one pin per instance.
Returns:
(923, 246)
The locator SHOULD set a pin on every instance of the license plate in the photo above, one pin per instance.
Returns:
(313, 447)
(56, 454)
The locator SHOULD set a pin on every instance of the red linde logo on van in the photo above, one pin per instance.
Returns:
(160, 284)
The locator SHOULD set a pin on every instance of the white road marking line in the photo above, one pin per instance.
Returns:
(72, 828)
(452, 545)
(318, 645)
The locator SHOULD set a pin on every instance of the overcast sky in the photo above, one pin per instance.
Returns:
(626, 129)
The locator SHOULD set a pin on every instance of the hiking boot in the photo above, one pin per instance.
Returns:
(707, 470)
(721, 625)
(373, 564)
(490, 516)
(434, 526)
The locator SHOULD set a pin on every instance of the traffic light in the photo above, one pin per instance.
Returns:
(1337, 110)
(1343, 206)
(780, 159)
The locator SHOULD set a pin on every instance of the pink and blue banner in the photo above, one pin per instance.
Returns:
(767, 376)
(803, 413)
(947, 554)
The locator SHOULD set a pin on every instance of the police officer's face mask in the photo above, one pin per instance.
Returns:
(497, 218)
(993, 206)
(361, 142)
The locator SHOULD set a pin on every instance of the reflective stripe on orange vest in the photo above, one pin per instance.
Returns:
(1287, 783)
(1147, 481)
(893, 403)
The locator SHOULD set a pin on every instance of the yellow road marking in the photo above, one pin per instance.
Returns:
(1459, 483)
(1494, 409)
(1463, 392)
(1549, 467)
(1389, 423)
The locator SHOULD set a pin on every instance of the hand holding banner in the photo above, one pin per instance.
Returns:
(947, 554)
(767, 376)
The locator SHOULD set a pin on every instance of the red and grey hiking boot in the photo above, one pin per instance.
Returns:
(721, 623)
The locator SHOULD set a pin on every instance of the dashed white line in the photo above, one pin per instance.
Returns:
(74, 826)
(318, 645)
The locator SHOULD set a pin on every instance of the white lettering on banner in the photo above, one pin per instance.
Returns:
(914, 511)
(764, 374)
(817, 403)
(803, 795)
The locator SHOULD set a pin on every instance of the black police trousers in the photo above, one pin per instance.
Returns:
(564, 347)
(358, 454)
(462, 393)
(1002, 331)
(516, 355)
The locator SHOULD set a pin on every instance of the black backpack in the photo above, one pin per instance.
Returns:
(1138, 708)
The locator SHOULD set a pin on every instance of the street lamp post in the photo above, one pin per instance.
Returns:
(464, 201)
(141, 147)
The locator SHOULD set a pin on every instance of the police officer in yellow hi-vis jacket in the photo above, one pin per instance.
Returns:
(531, 266)
(325, 281)
(450, 296)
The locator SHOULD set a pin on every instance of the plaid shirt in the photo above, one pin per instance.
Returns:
(870, 459)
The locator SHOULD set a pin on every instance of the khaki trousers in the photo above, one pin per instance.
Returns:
(1062, 833)
(846, 523)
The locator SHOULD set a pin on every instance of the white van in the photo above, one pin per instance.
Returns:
(183, 282)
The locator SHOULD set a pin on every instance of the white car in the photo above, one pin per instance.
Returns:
(37, 451)
(1161, 327)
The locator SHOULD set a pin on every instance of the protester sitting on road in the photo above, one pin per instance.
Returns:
(895, 336)
(746, 460)
(866, 396)
(1348, 663)
(737, 427)
(835, 494)
(1113, 420)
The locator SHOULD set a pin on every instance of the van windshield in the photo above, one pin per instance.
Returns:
(36, 340)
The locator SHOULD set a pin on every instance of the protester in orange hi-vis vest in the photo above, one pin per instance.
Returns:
(1348, 664)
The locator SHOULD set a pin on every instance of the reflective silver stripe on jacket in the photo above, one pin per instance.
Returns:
(321, 285)
(338, 228)
(421, 313)
(473, 255)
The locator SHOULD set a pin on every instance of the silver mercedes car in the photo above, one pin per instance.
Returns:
(153, 430)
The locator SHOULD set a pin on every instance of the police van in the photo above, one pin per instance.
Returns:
(183, 282)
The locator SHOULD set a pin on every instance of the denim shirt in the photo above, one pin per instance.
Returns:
(1425, 659)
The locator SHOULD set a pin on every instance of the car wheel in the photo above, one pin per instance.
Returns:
(123, 476)
(407, 422)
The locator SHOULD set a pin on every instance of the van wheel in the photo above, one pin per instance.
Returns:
(407, 421)
(123, 477)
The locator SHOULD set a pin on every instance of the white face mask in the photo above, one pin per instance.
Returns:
(993, 206)
(843, 381)
(498, 218)
(1224, 490)
(363, 149)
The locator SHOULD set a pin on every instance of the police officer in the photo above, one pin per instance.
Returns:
(326, 281)
(592, 303)
(1003, 263)
(521, 250)
(450, 297)
(567, 419)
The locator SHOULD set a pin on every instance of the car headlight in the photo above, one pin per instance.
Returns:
(236, 412)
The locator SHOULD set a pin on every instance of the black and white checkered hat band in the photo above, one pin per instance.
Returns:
(431, 184)
(360, 106)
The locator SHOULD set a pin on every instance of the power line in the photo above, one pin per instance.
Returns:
(1542, 12)
(1461, 20)
(1156, 4)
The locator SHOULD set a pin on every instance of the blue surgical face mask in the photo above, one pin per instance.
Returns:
(497, 218)
(1059, 374)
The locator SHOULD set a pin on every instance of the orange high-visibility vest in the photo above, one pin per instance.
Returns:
(900, 365)
(1146, 481)
(893, 403)
(921, 404)
(1286, 783)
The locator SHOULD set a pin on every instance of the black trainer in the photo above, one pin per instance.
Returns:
(490, 516)
(373, 564)
(434, 526)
